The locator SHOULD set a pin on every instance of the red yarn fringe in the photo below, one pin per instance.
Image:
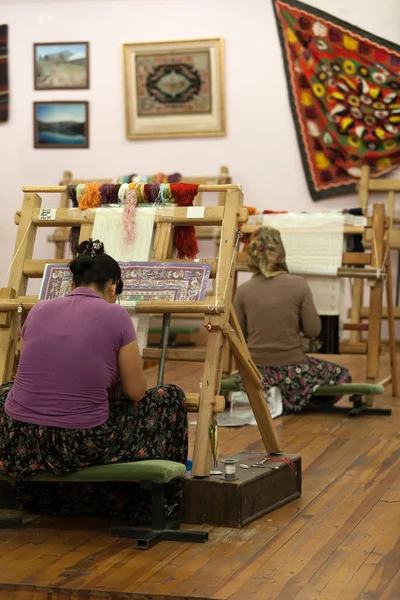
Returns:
(185, 237)
(186, 242)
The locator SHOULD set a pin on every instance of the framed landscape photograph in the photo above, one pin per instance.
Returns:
(61, 66)
(174, 89)
(61, 124)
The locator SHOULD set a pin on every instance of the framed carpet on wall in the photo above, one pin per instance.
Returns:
(174, 89)
(4, 92)
(344, 90)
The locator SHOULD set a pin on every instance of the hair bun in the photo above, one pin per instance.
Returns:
(90, 247)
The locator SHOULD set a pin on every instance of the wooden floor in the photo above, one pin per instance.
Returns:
(339, 541)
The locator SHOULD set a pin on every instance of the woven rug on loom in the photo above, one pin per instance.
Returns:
(143, 282)
(344, 90)
(3, 73)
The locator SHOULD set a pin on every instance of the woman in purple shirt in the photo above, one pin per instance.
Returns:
(59, 415)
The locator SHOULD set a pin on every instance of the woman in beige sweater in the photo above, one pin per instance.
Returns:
(274, 308)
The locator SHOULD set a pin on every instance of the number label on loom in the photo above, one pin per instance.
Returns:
(47, 214)
(195, 212)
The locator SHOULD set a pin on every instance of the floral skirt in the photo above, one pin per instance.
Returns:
(154, 428)
(297, 383)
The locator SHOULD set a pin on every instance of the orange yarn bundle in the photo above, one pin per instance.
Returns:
(251, 209)
(91, 196)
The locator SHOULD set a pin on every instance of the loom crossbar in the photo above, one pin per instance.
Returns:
(73, 217)
(209, 306)
(34, 268)
(60, 189)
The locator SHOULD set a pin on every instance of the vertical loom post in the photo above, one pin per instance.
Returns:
(60, 245)
(391, 322)
(376, 293)
(253, 386)
(212, 375)
(358, 285)
(223, 178)
(85, 232)
(164, 347)
(363, 191)
(18, 282)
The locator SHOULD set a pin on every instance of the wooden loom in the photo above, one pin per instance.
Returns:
(61, 236)
(366, 185)
(365, 266)
(217, 311)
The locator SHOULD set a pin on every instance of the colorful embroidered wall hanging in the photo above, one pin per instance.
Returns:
(344, 89)
(143, 282)
(4, 95)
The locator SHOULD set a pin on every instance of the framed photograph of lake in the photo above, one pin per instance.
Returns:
(61, 66)
(61, 124)
(174, 89)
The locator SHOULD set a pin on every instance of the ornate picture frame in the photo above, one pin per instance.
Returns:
(174, 89)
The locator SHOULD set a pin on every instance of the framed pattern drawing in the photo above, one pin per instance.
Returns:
(174, 89)
(61, 66)
(61, 124)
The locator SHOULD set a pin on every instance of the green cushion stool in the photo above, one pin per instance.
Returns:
(151, 474)
(356, 391)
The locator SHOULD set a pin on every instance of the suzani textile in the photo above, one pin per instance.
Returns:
(142, 282)
(344, 89)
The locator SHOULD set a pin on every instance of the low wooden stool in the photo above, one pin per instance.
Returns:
(151, 474)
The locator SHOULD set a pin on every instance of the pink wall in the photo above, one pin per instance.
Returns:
(260, 148)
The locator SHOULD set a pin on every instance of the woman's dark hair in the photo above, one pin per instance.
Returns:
(92, 265)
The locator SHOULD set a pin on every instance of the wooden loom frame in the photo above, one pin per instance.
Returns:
(366, 185)
(61, 236)
(378, 228)
(217, 310)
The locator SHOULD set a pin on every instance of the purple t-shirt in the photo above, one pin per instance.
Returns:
(69, 361)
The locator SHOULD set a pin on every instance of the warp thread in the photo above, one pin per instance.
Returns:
(91, 196)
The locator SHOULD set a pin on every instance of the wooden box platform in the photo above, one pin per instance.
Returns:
(256, 491)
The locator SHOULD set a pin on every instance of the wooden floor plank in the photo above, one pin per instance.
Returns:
(340, 540)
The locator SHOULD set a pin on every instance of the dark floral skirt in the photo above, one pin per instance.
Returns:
(154, 428)
(297, 383)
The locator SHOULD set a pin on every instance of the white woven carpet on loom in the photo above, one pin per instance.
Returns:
(314, 246)
(108, 228)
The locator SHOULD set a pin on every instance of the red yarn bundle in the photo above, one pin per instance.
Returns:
(184, 193)
(185, 242)
(185, 237)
